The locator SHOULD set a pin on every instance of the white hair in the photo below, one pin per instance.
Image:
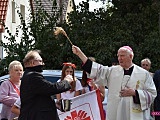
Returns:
(13, 64)
(147, 60)
(127, 49)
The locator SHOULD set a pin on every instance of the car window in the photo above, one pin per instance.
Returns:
(2, 81)
(52, 79)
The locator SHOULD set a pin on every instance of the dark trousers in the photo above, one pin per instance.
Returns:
(157, 107)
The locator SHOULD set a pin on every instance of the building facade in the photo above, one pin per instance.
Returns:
(10, 17)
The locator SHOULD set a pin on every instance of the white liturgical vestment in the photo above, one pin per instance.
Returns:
(124, 108)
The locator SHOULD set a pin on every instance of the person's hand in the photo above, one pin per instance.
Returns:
(76, 50)
(58, 105)
(126, 92)
(92, 84)
(69, 78)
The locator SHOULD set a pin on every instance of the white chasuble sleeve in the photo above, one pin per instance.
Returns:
(99, 73)
(148, 94)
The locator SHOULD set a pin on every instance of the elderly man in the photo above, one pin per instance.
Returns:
(36, 91)
(131, 89)
(146, 64)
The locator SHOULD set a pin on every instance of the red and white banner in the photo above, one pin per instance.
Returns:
(85, 107)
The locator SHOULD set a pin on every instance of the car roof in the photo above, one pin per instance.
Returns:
(3, 78)
(78, 74)
(47, 74)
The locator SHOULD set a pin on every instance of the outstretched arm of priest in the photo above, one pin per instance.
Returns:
(76, 50)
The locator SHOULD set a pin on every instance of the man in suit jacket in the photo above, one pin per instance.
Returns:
(36, 91)
(131, 89)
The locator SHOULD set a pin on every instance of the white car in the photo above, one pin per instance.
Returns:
(53, 76)
(50, 75)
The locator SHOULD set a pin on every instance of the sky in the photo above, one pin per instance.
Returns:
(92, 4)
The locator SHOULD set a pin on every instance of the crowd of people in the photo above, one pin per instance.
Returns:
(133, 91)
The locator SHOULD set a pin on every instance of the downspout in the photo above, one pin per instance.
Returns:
(61, 10)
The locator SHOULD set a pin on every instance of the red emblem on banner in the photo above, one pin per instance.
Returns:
(81, 115)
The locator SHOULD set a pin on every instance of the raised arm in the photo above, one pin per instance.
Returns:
(76, 50)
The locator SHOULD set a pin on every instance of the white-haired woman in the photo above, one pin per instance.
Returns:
(9, 90)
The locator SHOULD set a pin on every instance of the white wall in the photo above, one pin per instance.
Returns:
(92, 4)
(69, 9)
(12, 26)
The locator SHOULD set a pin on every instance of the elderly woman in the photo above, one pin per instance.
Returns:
(9, 90)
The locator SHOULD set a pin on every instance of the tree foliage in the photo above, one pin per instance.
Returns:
(99, 34)
(54, 48)
(16, 50)
(102, 32)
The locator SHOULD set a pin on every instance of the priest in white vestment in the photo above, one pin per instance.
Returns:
(131, 89)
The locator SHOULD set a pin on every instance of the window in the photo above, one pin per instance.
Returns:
(13, 12)
(70, 4)
(22, 8)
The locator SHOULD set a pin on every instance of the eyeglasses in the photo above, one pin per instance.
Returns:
(41, 61)
(145, 65)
